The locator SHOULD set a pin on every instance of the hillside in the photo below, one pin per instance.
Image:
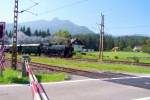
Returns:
(54, 26)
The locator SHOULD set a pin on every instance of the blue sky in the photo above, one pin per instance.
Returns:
(121, 16)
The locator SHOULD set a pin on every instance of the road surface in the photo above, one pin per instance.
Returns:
(87, 89)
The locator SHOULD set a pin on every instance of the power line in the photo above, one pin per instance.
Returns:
(33, 1)
(27, 9)
(31, 13)
(131, 27)
(64, 6)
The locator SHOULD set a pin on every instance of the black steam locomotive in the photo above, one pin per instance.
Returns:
(46, 49)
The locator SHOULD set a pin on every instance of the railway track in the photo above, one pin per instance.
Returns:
(86, 73)
(90, 74)
(112, 62)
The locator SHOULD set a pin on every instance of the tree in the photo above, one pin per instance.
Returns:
(121, 43)
(10, 34)
(90, 40)
(43, 34)
(7, 33)
(36, 33)
(146, 46)
(28, 32)
(108, 42)
(48, 32)
(63, 33)
(23, 29)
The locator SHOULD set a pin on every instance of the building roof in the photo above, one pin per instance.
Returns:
(76, 42)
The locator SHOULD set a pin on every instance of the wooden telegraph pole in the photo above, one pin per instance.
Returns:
(101, 42)
(14, 49)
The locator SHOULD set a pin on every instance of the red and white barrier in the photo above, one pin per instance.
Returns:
(2, 56)
(37, 90)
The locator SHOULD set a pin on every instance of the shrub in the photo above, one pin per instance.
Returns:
(116, 57)
(83, 53)
(136, 59)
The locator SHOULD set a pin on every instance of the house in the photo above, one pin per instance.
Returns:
(115, 49)
(137, 49)
(77, 45)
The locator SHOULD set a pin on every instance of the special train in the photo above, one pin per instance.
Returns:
(46, 49)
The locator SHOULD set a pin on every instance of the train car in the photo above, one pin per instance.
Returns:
(46, 49)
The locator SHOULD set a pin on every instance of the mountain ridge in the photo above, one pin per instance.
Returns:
(54, 25)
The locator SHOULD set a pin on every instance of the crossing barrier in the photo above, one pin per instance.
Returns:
(37, 89)
(2, 57)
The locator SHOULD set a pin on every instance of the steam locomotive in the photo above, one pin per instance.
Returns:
(46, 49)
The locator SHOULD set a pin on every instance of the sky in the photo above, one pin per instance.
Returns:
(122, 17)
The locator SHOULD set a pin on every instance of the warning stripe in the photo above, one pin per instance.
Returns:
(38, 91)
(2, 56)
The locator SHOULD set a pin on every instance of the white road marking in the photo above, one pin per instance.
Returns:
(14, 85)
(74, 81)
(126, 77)
(146, 98)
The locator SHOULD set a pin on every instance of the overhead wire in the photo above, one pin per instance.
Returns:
(32, 13)
(131, 27)
(27, 9)
(64, 6)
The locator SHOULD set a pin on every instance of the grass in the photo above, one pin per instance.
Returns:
(117, 56)
(91, 65)
(120, 56)
(11, 76)
(54, 77)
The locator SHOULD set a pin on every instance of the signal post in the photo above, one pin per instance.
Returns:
(2, 47)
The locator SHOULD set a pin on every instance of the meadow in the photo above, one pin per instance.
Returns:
(14, 77)
(85, 65)
(117, 56)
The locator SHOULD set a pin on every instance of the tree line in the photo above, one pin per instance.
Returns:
(125, 43)
(90, 40)
(27, 31)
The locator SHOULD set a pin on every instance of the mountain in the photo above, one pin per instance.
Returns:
(54, 26)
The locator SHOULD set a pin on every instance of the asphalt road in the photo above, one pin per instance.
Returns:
(87, 89)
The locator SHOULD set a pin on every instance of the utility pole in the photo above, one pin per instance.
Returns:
(14, 48)
(101, 42)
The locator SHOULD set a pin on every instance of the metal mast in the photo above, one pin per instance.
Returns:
(14, 49)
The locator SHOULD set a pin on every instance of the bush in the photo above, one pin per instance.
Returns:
(116, 57)
(83, 53)
(78, 55)
(74, 53)
(127, 49)
(136, 59)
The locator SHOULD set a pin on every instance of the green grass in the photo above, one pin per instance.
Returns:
(122, 56)
(54, 77)
(11, 76)
(91, 65)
